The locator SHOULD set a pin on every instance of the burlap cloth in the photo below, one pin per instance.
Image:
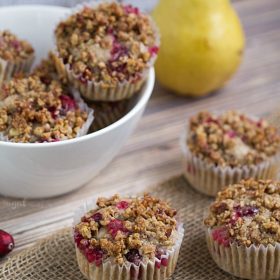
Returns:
(54, 257)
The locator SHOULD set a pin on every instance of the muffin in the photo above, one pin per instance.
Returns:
(223, 149)
(106, 50)
(33, 112)
(16, 56)
(106, 113)
(243, 229)
(128, 238)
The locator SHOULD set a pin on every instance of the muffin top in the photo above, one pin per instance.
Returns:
(47, 72)
(127, 230)
(232, 139)
(110, 43)
(246, 213)
(31, 111)
(12, 48)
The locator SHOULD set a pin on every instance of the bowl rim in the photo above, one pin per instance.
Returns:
(146, 90)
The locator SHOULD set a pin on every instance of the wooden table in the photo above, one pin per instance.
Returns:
(152, 154)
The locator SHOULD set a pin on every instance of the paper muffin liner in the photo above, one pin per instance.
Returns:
(98, 91)
(105, 117)
(209, 179)
(109, 270)
(83, 107)
(8, 69)
(254, 262)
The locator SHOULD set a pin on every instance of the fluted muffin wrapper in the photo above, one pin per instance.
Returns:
(109, 270)
(209, 179)
(98, 91)
(105, 118)
(8, 69)
(254, 262)
(83, 107)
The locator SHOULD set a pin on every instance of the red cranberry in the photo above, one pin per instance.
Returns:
(83, 244)
(245, 211)
(159, 253)
(129, 9)
(134, 256)
(158, 264)
(77, 237)
(97, 217)
(16, 45)
(231, 134)
(7, 243)
(83, 79)
(94, 255)
(164, 262)
(221, 235)
(67, 103)
(45, 80)
(54, 112)
(154, 50)
(122, 205)
(114, 226)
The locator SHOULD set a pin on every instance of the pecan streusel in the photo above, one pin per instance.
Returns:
(127, 230)
(12, 48)
(31, 111)
(246, 213)
(111, 43)
(232, 139)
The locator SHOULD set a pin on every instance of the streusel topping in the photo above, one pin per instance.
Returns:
(232, 139)
(246, 213)
(127, 230)
(110, 43)
(31, 111)
(12, 48)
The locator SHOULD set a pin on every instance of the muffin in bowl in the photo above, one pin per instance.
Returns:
(242, 229)
(16, 56)
(132, 237)
(105, 50)
(222, 149)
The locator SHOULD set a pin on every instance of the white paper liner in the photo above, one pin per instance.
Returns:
(9, 69)
(83, 107)
(254, 262)
(109, 270)
(97, 91)
(209, 179)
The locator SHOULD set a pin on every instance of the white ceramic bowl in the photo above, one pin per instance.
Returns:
(50, 169)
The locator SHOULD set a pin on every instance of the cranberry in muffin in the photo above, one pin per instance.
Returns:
(129, 233)
(243, 226)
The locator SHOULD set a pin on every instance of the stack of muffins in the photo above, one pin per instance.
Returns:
(102, 58)
(236, 158)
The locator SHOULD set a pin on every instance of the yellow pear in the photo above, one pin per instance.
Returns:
(202, 44)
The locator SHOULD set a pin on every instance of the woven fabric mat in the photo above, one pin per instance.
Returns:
(54, 257)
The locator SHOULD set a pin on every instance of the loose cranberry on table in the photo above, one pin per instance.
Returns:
(6, 243)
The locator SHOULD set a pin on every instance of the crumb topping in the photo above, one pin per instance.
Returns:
(12, 48)
(31, 111)
(246, 213)
(47, 71)
(232, 139)
(110, 43)
(127, 230)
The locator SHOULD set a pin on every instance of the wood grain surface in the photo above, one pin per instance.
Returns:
(153, 154)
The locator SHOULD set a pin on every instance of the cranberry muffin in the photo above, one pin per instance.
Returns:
(243, 226)
(223, 149)
(16, 56)
(33, 112)
(106, 50)
(138, 238)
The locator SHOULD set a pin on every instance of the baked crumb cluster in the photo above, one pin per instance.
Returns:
(232, 139)
(127, 230)
(14, 49)
(31, 111)
(48, 73)
(110, 43)
(246, 213)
